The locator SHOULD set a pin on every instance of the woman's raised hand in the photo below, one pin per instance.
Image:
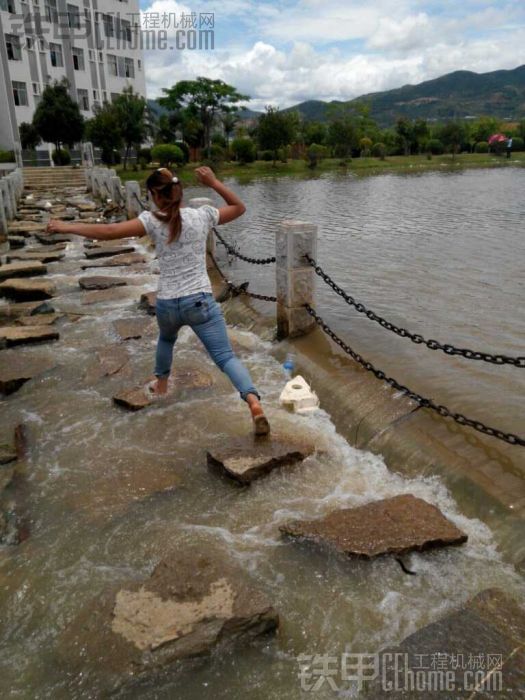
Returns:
(205, 175)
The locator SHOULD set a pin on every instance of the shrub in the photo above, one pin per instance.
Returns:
(185, 149)
(167, 153)
(144, 154)
(214, 153)
(266, 155)
(481, 147)
(243, 150)
(315, 154)
(435, 147)
(379, 150)
(517, 143)
(7, 156)
(143, 163)
(218, 139)
(61, 156)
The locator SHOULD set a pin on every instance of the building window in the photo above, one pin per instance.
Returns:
(125, 30)
(78, 58)
(83, 99)
(139, 64)
(129, 69)
(112, 64)
(36, 89)
(30, 43)
(95, 95)
(91, 55)
(109, 28)
(104, 96)
(12, 43)
(50, 11)
(73, 16)
(20, 94)
(8, 6)
(57, 59)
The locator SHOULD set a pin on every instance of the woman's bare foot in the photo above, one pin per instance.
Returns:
(157, 388)
(260, 422)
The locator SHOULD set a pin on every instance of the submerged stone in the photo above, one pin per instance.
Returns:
(101, 282)
(194, 601)
(27, 289)
(181, 379)
(22, 269)
(148, 302)
(101, 295)
(481, 643)
(124, 260)
(247, 459)
(129, 328)
(391, 526)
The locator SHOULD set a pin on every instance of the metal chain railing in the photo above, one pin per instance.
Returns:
(231, 250)
(421, 400)
(239, 289)
(414, 337)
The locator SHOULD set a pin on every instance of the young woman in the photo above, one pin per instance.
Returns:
(184, 295)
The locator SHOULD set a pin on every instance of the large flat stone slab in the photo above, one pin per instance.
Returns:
(182, 379)
(124, 260)
(391, 526)
(21, 335)
(101, 282)
(22, 269)
(481, 646)
(109, 360)
(26, 228)
(247, 459)
(133, 328)
(52, 239)
(148, 302)
(25, 308)
(194, 602)
(27, 289)
(101, 295)
(103, 252)
(16, 370)
(39, 320)
(50, 248)
(44, 257)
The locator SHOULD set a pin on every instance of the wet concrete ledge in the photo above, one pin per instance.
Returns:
(486, 476)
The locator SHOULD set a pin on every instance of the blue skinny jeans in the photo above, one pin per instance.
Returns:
(204, 315)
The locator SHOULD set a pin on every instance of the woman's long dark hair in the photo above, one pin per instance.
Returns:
(162, 182)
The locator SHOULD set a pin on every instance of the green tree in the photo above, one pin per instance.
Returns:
(130, 108)
(167, 153)
(314, 132)
(452, 135)
(57, 118)
(104, 131)
(421, 134)
(210, 99)
(406, 134)
(243, 150)
(29, 137)
(482, 128)
(229, 121)
(276, 129)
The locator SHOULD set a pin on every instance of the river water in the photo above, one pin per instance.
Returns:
(109, 493)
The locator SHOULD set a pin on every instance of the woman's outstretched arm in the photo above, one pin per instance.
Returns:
(235, 206)
(100, 232)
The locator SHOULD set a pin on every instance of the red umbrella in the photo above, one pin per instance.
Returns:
(497, 138)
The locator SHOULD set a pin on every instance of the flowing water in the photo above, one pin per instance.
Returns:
(109, 493)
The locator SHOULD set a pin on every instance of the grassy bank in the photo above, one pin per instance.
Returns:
(358, 166)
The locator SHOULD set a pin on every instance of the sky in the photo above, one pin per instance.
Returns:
(284, 52)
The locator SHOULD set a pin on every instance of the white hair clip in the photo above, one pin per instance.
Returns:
(174, 179)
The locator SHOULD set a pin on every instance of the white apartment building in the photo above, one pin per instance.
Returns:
(95, 44)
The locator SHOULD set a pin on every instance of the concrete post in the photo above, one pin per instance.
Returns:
(12, 193)
(88, 174)
(8, 207)
(95, 185)
(116, 189)
(133, 207)
(196, 203)
(3, 219)
(295, 278)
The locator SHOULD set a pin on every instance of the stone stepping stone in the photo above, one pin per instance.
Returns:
(26, 228)
(100, 282)
(22, 269)
(52, 256)
(16, 370)
(133, 328)
(26, 308)
(39, 320)
(135, 399)
(82, 206)
(247, 459)
(52, 239)
(109, 361)
(20, 335)
(195, 601)
(391, 526)
(16, 242)
(103, 252)
(124, 260)
(101, 295)
(47, 248)
(27, 289)
(485, 636)
(148, 302)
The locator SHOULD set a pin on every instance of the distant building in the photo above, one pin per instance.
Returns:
(95, 44)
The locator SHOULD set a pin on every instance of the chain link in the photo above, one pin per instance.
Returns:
(239, 289)
(421, 400)
(231, 250)
(415, 337)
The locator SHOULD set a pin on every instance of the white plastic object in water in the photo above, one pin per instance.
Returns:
(299, 396)
(48, 205)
